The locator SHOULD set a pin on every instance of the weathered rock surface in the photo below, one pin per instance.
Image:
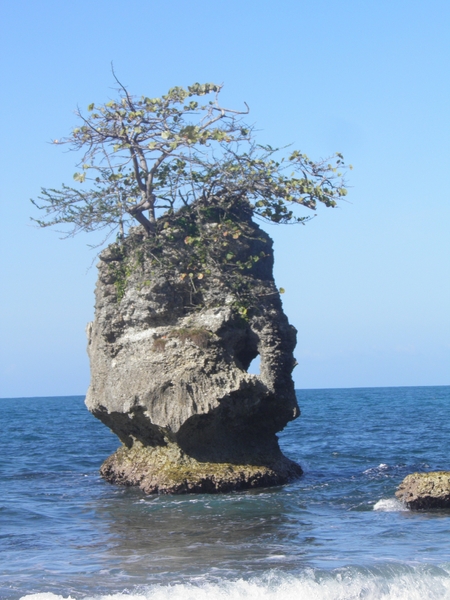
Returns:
(425, 490)
(177, 324)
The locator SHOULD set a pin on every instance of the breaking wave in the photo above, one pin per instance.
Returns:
(389, 505)
(397, 582)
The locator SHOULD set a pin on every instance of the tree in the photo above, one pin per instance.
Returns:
(145, 156)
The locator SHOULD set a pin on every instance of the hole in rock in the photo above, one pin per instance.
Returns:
(254, 367)
(245, 350)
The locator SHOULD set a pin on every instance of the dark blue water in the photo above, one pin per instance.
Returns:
(336, 533)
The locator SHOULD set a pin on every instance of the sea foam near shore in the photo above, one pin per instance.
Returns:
(393, 582)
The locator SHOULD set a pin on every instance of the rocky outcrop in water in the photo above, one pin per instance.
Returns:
(425, 490)
(179, 318)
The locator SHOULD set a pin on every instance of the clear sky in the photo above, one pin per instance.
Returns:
(367, 285)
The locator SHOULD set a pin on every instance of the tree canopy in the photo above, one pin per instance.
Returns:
(141, 157)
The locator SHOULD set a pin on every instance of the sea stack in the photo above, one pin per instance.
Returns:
(179, 317)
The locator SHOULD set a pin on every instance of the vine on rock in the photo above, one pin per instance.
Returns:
(192, 246)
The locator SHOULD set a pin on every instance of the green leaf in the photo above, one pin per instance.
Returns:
(281, 290)
(91, 107)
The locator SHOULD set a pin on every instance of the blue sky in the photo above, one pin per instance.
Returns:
(367, 285)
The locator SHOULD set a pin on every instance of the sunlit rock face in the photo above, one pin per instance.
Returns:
(425, 490)
(177, 324)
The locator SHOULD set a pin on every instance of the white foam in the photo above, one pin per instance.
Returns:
(46, 596)
(390, 505)
(348, 584)
(381, 467)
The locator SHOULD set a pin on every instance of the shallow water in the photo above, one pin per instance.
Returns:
(338, 532)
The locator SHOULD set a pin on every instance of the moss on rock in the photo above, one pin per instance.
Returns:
(168, 470)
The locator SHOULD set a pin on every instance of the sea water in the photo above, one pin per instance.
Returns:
(336, 533)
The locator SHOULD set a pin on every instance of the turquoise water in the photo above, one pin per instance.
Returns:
(336, 533)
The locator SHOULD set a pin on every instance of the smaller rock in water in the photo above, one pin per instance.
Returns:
(425, 490)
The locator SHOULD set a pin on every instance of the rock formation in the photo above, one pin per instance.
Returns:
(179, 318)
(425, 490)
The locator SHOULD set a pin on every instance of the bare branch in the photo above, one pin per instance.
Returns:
(130, 103)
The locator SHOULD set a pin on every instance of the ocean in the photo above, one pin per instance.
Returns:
(336, 533)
